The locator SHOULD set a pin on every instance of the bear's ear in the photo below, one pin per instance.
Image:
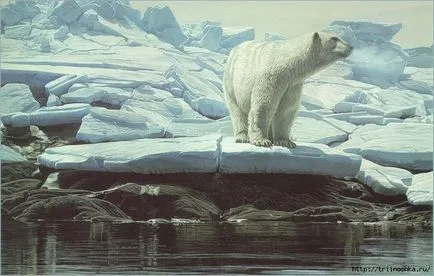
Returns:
(316, 36)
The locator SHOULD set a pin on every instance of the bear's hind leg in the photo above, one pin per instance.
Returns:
(239, 122)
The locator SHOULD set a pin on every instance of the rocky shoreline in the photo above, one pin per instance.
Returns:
(126, 197)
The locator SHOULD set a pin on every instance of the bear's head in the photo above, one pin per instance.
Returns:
(329, 48)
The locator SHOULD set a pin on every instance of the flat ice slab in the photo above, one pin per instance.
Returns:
(145, 156)
(421, 190)
(408, 146)
(210, 153)
(306, 158)
(387, 181)
(48, 116)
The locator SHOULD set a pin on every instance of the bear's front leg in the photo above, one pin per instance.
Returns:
(285, 116)
(263, 107)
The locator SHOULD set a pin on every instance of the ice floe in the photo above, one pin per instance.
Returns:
(17, 97)
(387, 181)
(408, 146)
(201, 154)
(48, 116)
(421, 190)
(306, 158)
(102, 125)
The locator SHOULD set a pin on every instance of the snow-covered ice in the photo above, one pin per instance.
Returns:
(408, 146)
(199, 127)
(145, 156)
(383, 180)
(421, 190)
(201, 154)
(306, 158)
(319, 130)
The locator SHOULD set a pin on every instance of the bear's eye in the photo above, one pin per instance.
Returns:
(334, 43)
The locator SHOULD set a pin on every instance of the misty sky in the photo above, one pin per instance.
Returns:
(291, 18)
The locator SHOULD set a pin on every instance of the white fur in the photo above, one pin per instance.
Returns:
(263, 83)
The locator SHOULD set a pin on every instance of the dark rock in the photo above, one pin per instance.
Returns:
(31, 141)
(120, 196)
(16, 186)
(17, 170)
(71, 207)
(144, 202)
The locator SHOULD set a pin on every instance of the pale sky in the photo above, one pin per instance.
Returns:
(290, 18)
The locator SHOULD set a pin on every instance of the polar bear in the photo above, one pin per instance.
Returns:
(263, 83)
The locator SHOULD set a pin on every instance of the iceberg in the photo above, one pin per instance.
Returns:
(160, 21)
(375, 59)
(211, 38)
(421, 57)
(233, 36)
(67, 11)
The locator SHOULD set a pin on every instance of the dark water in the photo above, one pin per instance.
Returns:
(215, 248)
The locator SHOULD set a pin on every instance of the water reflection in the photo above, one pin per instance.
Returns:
(209, 247)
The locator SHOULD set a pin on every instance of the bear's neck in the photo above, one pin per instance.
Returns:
(303, 65)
